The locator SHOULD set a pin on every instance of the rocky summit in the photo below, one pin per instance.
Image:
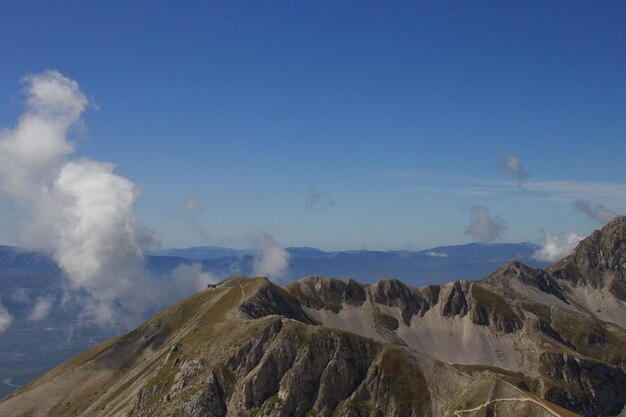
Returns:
(520, 342)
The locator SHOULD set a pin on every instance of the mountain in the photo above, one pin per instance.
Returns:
(32, 347)
(437, 265)
(520, 342)
(196, 253)
(18, 258)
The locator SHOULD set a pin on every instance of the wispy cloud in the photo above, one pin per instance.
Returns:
(194, 205)
(20, 295)
(41, 309)
(455, 191)
(5, 318)
(434, 254)
(271, 260)
(317, 198)
(569, 190)
(407, 174)
(512, 165)
(556, 246)
(553, 191)
(599, 212)
(483, 227)
(193, 210)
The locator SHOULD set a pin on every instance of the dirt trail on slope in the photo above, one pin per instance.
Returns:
(459, 413)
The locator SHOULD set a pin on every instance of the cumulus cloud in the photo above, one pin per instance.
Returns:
(37, 145)
(193, 210)
(599, 212)
(556, 246)
(78, 207)
(271, 259)
(5, 318)
(483, 227)
(513, 166)
(41, 309)
(317, 198)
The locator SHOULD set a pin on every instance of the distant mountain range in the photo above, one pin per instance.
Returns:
(472, 251)
(31, 347)
(436, 265)
(197, 253)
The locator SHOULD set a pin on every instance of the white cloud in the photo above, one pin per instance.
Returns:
(42, 308)
(271, 260)
(5, 318)
(97, 242)
(434, 254)
(600, 213)
(483, 227)
(556, 246)
(37, 145)
(95, 225)
(189, 279)
(78, 207)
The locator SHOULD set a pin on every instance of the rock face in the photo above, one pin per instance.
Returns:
(604, 250)
(599, 261)
(520, 342)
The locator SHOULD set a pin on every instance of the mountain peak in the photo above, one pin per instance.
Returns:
(526, 276)
(599, 261)
(604, 249)
(514, 269)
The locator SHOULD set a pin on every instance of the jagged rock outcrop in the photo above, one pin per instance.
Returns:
(589, 387)
(321, 292)
(454, 300)
(599, 261)
(393, 293)
(515, 271)
(270, 299)
(288, 369)
(604, 250)
(489, 309)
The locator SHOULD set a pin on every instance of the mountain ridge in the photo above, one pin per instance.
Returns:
(522, 340)
(64, 334)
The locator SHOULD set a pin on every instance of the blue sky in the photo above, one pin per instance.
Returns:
(395, 116)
